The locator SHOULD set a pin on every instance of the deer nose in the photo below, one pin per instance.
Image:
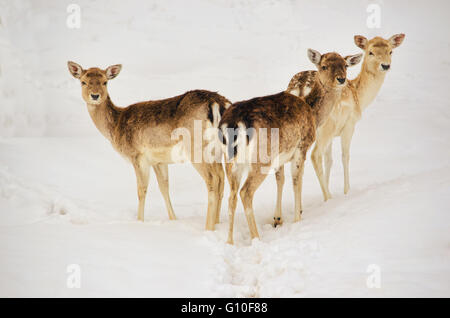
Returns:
(341, 80)
(95, 96)
(385, 67)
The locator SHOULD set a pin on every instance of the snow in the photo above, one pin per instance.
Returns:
(67, 198)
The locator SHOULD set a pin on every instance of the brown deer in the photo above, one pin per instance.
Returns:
(291, 119)
(143, 134)
(356, 96)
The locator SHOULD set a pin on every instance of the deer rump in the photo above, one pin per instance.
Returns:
(272, 111)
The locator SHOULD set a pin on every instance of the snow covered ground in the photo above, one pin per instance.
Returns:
(67, 198)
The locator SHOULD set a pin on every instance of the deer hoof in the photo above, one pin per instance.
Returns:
(277, 221)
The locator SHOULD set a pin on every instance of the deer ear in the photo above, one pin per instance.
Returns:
(352, 60)
(396, 40)
(75, 69)
(360, 41)
(113, 71)
(314, 56)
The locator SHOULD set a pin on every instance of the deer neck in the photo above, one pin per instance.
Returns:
(105, 117)
(367, 85)
(323, 99)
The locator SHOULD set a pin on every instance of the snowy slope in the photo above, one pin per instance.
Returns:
(67, 198)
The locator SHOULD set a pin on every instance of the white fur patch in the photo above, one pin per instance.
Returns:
(174, 154)
(178, 153)
(306, 91)
(216, 114)
(295, 92)
(281, 159)
(239, 170)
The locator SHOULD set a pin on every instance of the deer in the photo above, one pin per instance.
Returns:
(143, 134)
(355, 98)
(289, 117)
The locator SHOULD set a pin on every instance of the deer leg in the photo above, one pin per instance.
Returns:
(254, 180)
(279, 175)
(316, 157)
(209, 174)
(220, 173)
(234, 179)
(297, 167)
(142, 177)
(162, 176)
(346, 139)
(328, 164)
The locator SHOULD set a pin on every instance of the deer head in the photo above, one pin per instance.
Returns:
(378, 51)
(94, 81)
(332, 68)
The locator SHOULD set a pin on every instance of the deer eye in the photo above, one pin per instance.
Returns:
(390, 52)
(83, 83)
(370, 53)
(324, 68)
(104, 83)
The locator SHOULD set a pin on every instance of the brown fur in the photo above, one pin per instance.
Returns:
(142, 133)
(319, 90)
(291, 115)
(302, 81)
(356, 96)
(142, 123)
(296, 121)
(360, 92)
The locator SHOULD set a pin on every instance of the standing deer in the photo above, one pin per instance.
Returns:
(315, 88)
(293, 119)
(142, 133)
(356, 96)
